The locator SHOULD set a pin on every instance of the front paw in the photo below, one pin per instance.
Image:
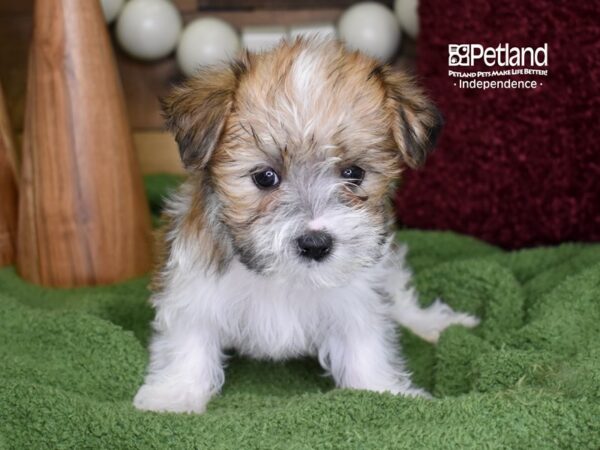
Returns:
(171, 398)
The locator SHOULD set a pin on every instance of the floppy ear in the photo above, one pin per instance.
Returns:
(416, 121)
(196, 111)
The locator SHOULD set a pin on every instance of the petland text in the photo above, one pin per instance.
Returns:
(467, 55)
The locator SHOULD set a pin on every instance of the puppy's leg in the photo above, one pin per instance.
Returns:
(366, 357)
(185, 368)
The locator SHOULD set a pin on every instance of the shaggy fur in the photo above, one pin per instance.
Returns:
(233, 276)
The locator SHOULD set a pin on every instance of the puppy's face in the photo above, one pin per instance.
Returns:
(302, 148)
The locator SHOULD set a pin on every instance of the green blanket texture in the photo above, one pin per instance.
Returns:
(527, 377)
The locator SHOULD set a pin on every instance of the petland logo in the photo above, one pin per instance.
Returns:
(467, 55)
(501, 67)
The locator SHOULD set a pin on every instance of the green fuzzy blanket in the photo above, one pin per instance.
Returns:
(527, 377)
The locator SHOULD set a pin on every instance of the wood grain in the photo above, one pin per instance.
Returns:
(83, 217)
(8, 187)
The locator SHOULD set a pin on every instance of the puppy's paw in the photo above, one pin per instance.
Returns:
(171, 398)
(439, 317)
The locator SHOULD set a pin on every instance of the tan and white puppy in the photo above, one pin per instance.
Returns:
(280, 243)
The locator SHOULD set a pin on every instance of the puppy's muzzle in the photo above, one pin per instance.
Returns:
(315, 245)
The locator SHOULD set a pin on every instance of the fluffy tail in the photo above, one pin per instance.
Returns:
(427, 323)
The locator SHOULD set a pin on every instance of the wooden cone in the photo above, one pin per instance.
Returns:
(8, 188)
(83, 216)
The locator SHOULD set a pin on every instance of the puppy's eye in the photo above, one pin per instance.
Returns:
(353, 174)
(266, 179)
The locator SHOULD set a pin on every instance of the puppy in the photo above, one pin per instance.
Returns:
(281, 242)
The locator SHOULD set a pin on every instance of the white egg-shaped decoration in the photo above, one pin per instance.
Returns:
(204, 42)
(111, 8)
(406, 11)
(371, 28)
(148, 29)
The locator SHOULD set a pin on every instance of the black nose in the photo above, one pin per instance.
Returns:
(315, 245)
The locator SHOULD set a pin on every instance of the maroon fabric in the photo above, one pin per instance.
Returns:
(513, 167)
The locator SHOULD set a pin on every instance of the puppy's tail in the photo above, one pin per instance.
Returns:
(427, 323)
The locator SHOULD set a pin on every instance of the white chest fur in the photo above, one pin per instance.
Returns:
(266, 318)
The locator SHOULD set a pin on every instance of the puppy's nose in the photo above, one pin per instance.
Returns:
(315, 245)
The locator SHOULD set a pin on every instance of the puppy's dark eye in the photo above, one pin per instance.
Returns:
(353, 174)
(266, 179)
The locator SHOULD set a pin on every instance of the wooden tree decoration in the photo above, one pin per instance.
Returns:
(83, 216)
(8, 188)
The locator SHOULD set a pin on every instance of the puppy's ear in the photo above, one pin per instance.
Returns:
(196, 111)
(416, 121)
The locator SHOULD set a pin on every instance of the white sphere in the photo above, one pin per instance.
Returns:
(148, 29)
(406, 10)
(111, 8)
(371, 28)
(204, 42)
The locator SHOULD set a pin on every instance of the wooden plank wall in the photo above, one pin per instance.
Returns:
(144, 82)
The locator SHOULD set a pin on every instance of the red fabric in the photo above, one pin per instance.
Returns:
(513, 167)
